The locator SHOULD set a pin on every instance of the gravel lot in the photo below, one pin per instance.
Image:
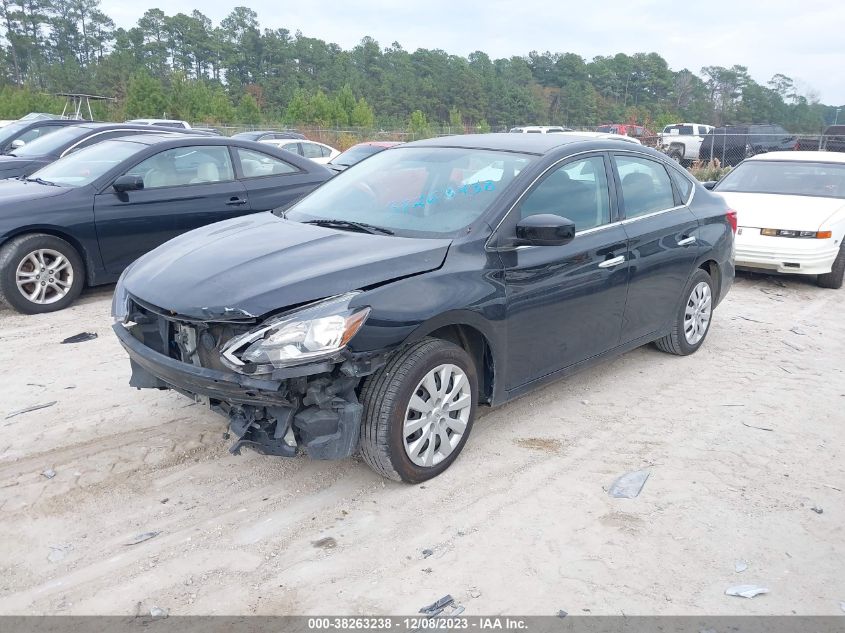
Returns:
(742, 440)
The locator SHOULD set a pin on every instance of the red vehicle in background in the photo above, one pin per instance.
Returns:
(639, 132)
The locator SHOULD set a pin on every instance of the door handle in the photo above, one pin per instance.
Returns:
(687, 241)
(236, 202)
(610, 263)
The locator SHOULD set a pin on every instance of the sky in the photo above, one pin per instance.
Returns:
(800, 39)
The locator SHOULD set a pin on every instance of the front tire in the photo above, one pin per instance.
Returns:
(834, 278)
(40, 273)
(677, 156)
(692, 321)
(418, 411)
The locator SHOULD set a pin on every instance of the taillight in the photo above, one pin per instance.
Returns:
(731, 216)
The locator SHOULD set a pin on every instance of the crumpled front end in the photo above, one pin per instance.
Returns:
(312, 406)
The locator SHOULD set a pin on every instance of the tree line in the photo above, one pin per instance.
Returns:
(184, 66)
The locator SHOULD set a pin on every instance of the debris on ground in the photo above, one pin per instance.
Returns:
(817, 509)
(474, 592)
(832, 487)
(157, 612)
(49, 473)
(34, 407)
(325, 543)
(629, 485)
(745, 318)
(58, 552)
(562, 614)
(759, 428)
(740, 566)
(797, 348)
(745, 591)
(797, 331)
(145, 536)
(427, 552)
(435, 608)
(80, 338)
(427, 570)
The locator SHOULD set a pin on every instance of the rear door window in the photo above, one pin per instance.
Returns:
(646, 187)
(311, 150)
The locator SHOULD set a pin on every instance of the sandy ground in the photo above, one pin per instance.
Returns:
(521, 524)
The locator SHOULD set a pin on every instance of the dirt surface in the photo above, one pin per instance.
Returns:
(742, 440)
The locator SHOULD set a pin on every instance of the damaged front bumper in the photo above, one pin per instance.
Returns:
(312, 407)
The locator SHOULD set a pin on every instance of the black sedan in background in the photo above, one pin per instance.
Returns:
(431, 277)
(84, 218)
(33, 156)
(18, 133)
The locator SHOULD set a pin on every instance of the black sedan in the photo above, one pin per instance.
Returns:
(84, 218)
(18, 133)
(432, 277)
(25, 160)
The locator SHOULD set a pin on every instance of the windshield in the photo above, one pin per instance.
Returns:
(356, 154)
(52, 143)
(10, 132)
(85, 166)
(415, 191)
(248, 136)
(826, 180)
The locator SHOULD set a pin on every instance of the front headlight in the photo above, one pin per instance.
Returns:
(316, 331)
(120, 300)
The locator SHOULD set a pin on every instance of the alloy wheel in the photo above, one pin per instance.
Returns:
(44, 276)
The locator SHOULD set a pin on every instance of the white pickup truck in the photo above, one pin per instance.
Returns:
(681, 141)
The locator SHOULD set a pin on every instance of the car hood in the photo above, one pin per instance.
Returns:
(13, 166)
(13, 192)
(775, 211)
(261, 263)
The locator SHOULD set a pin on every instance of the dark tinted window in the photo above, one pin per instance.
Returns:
(682, 182)
(356, 154)
(646, 187)
(577, 190)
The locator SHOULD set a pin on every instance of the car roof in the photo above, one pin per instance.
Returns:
(505, 141)
(377, 144)
(801, 157)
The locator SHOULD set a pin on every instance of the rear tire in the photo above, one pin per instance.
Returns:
(834, 278)
(40, 273)
(677, 156)
(389, 412)
(688, 329)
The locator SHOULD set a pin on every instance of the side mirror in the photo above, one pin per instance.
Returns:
(545, 229)
(709, 184)
(18, 143)
(128, 182)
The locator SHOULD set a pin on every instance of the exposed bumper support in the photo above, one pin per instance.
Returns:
(313, 407)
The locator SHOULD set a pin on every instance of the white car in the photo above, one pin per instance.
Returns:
(790, 213)
(539, 129)
(174, 123)
(318, 152)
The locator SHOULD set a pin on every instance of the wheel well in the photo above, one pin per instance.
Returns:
(712, 269)
(475, 344)
(83, 254)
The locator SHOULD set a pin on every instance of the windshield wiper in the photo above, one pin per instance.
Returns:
(41, 181)
(349, 224)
